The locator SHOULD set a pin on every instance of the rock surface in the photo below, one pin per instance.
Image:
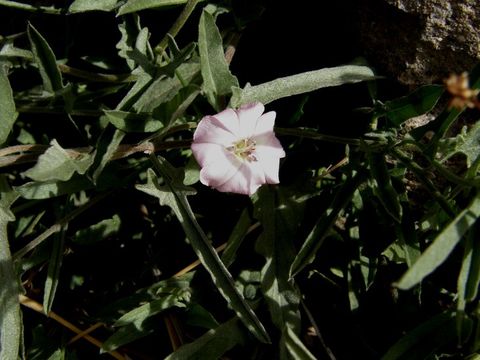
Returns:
(421, 41)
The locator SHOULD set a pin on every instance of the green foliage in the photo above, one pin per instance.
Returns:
(368, 247)
(7, 104)
(300, 83)
(10, 317)
(217, 78)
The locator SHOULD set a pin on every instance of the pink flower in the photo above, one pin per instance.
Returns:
(237, 149)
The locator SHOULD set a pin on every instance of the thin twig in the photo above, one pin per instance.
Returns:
(317, 332)
(32, 304)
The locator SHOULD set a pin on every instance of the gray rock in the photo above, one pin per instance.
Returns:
(421, 41)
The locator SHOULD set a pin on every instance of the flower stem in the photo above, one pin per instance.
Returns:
(309, 134)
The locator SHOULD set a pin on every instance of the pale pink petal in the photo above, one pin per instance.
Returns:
(216, 173)
(208, 131)
(268, 143)
(265, 123)
(270, 165)
(248, 116)
(228, 120)
(246, 180)
(206, 153)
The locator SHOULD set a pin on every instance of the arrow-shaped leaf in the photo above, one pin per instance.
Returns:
(174, 194)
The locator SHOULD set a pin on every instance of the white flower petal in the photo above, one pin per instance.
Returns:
(206, 153)
(248, 116)
(228, 120)
(270, 166)
(249, 177)
(269, 145)
(208, 131)
(265, 123)
(216, 173)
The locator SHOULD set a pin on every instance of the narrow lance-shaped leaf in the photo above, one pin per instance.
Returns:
(174, 194)
(79, 6)
(295, 347)
(211, 345)
(137, 5)
(217, 78)
(417, 103)
(315, 239)
(53, 273)
(300, 83)
(10, 319)
(408, 343)
(279, 215)
(46, 61)
(441, 246)
(8, 114)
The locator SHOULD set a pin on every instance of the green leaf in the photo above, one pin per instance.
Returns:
(280, 216)
(32, 8)
(45, 190)
(175, 297)
(174, 194)
(132, 122)
(10, 318)
(469, 144)
(417, 103)
(384, 190)
(300, 83)
(441, 246)
(137, 5)
(211, 345)
(473, 281)
(46, 61)
(321, 229)
(130, 29)
(164, 88)
(295, 347)
(217, 78)
(429, 336)
(53, 273)
(8, 114)
(79, 6)
(129, 333)
(99, 231)
(107, 145)
(57, 164)
(197, 315)
(236, 238)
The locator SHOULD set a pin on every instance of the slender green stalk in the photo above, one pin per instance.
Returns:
(316, 136)
(177, 26)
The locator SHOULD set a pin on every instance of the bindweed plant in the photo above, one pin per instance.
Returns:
(115, 168)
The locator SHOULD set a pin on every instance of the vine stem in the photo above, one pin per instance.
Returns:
(177, 25)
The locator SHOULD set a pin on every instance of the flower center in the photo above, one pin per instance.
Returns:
(244, 149)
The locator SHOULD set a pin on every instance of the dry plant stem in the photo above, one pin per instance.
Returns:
(174, 332)
(317, 331)
(32, 304)
(85, 332)
(194, 264)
